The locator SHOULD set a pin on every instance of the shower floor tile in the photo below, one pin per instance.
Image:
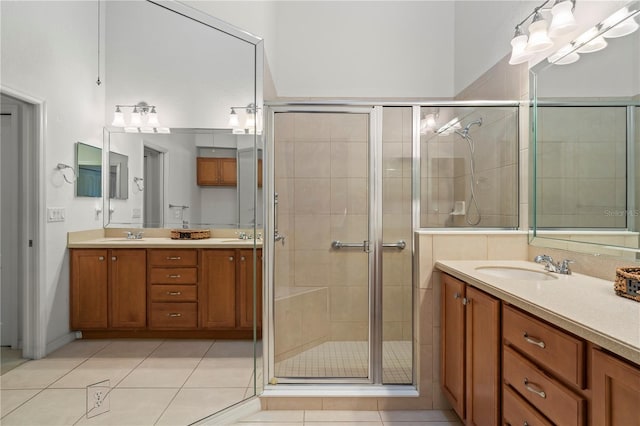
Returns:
(349, 359)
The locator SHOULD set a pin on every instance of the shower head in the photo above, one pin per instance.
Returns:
(465, 132)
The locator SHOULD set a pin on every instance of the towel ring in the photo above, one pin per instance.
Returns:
(139, 183)
(62, 167)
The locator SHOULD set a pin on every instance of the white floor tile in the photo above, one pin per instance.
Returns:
(436, 423)
(128, 349)
(339, 423)
(341, 416)
(191, 405)
(38, 374)
(12, 399)
(96, 370)
(276, 416)
(49, 407)
(418, 416)
(212, 375)
(80, 349)
(182, 349)
(133, 407)
(160, 373)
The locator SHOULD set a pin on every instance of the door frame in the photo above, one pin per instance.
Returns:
(375, 241)
(33, 224)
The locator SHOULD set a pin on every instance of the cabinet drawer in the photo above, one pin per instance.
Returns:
(174, 315)
(558, 403)
(516, 411)
(551, 348)
(173, 293)
(173, 257)
(173, 275)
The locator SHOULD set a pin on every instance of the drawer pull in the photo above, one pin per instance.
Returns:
(174, 315)
(534, 341)
(174, 293)
(173, 276)
(174, 258)
(530, 388)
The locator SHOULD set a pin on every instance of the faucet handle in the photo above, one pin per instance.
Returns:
(139, 235)
(564, 266)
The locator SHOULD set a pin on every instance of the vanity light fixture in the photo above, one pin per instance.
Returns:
(524, 47)
(252, 123)
(564, 56)
(590, 41)
(143, 119)
(620, 24)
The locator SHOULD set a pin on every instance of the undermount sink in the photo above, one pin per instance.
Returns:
(516, 273)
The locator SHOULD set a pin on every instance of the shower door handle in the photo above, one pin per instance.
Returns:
(277, 236)
(400, 244)
(339, 244)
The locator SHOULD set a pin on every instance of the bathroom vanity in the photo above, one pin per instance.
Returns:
(529, 347)
(159, 287)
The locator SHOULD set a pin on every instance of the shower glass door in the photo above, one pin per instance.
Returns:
(342, 257)
(322, 250)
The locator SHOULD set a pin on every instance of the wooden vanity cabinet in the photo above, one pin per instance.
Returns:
(216, 171)
(616, 391)
(470, 352)
(108, 289)
(226, 289)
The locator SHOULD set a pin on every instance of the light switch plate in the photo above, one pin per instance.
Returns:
(56, 214)
(136, 213)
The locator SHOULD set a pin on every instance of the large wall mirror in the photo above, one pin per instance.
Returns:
(586, 133)
(164, 183)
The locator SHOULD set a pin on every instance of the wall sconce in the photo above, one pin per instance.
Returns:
(143, 119)
(619, 24)
(252, 123)
(540, 32)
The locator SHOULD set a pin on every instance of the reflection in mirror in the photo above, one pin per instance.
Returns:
(586, 140)
(195, 178)
(89, 169)
(118, 176)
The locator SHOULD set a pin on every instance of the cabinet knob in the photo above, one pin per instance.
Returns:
(456, 296)
(242, 258)
(466, 301)
(230, 258)
(100, 258)
(114, 258)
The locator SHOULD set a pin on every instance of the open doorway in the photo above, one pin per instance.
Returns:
(153, 205)
(18, 227)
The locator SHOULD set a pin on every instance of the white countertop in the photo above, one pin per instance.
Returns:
(583, 305)
(163, 242)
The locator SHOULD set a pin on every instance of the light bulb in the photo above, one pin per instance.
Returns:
(563, 21)
(590, 41)
(118, 118)
(233, 119)
(152, 118)
(518, 45)
(135, 117)
(538, 38)
(251, 121)
(621, 23)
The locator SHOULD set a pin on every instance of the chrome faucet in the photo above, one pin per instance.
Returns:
(134, 235)
(551, 266)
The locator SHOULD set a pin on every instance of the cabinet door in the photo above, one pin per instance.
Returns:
(452, 343)
(245, 287)
(89, 289)
(217, 289)
(208, 171)
(616, 391)
(127, 288)
(482, 358)
(228, 171)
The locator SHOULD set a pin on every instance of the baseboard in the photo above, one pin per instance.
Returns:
(60, 342)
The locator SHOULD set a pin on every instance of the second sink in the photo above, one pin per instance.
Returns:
(515, 273)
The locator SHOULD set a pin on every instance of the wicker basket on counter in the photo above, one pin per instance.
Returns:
(627, 283)
(190, 234)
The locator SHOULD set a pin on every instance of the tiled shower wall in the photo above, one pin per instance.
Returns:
(446, 171)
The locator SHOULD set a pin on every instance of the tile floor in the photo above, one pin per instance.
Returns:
(349, 359)
(153, 382)
(354, 418)
(10, 359)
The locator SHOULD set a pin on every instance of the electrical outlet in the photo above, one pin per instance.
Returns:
(56, 214)
(98, 398)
